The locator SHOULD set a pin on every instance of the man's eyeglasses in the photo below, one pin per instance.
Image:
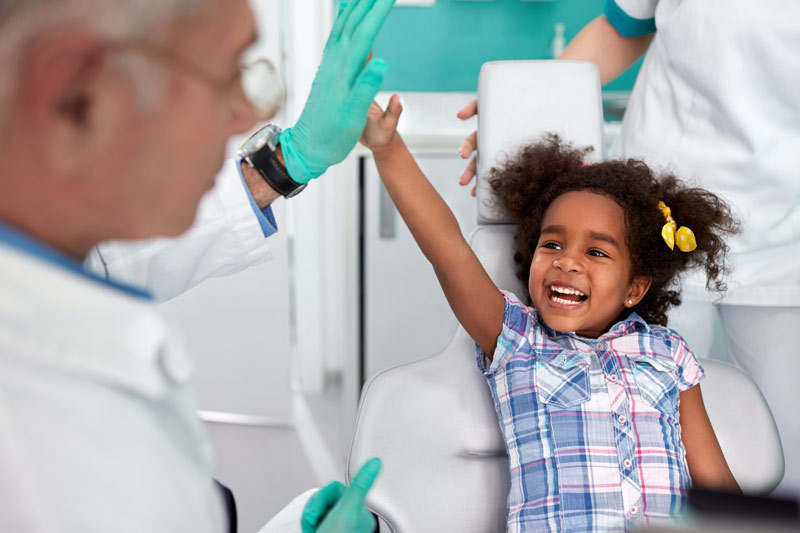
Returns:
(256, 88)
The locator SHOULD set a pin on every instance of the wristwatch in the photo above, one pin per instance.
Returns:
(259, 152)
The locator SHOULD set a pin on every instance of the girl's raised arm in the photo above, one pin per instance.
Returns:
(474, 298)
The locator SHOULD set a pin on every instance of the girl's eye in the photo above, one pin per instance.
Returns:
(597, 253)
(552, 245)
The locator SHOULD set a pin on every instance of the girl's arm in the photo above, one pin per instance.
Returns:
(600, 43)
(707, 464)
(474, 298)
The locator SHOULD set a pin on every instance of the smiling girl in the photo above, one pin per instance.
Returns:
(597, 399)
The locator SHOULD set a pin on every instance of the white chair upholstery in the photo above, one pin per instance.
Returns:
(744, 426)
(433, 422)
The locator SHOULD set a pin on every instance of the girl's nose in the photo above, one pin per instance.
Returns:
(566, 264)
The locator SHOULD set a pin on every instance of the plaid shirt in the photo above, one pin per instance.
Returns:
(591, 425)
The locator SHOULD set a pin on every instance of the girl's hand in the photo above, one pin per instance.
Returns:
(381, 126)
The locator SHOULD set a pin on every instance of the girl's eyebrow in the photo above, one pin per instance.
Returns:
(604, 237)
(552, 229)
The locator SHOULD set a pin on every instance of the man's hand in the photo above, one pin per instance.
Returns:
(381, 126)
(469, 145)
(343, 89)
(339, 509)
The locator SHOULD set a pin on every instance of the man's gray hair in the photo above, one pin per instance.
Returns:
(23, 21)
(137, 16)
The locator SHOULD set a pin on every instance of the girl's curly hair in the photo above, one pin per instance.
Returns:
(527, 184)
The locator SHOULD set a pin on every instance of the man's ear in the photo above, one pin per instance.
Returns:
(57, 91)
(637, 290)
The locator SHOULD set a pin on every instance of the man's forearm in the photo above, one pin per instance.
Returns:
(600, 43)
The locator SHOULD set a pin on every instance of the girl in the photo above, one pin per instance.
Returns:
(588, 383)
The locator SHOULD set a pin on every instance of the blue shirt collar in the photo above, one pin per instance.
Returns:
(15, 238)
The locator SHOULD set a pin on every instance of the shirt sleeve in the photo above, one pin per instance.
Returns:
(689, 370)
(631, 18)
(265, 218)
(518, 321)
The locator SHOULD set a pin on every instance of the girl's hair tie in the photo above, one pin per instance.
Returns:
(672, 234)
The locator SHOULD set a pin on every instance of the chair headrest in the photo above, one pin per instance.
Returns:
(520, 101)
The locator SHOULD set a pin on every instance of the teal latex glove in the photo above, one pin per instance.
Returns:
(339, 509)
(343, 89)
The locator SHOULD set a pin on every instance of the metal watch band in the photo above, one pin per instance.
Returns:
(274, 173)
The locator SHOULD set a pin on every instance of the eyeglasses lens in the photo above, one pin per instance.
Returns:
(263, 88)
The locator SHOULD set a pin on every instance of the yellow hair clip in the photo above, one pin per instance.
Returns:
(671, 234)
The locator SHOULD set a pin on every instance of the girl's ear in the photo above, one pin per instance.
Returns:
(638, 288)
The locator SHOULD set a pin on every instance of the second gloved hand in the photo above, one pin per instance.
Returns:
(339, 509)
(343, 89)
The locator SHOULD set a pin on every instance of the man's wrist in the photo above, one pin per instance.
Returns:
(260, 190)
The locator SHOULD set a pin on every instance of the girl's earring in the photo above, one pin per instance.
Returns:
(630, 302)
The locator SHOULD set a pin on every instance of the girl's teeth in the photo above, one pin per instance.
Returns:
(563, 301)
(565, 290)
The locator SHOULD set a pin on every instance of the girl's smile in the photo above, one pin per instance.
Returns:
(561, 294)
(580, 276)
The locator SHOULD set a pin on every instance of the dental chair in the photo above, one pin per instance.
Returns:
(433, 422)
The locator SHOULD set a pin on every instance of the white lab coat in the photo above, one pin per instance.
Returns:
(718, 102)
(98, 430)
(98, 424)
(225, 238)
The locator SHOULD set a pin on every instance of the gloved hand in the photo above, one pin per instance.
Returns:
(343, 89)
(339, 509)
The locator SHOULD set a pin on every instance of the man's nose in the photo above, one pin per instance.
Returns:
(243, 118)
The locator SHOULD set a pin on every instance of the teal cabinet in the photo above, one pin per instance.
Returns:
(442, 47)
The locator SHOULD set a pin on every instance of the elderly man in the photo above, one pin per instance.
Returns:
(113, 120)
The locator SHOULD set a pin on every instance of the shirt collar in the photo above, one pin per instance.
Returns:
(23, 242)
(632, 322)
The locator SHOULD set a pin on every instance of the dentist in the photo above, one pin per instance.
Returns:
(113, 120)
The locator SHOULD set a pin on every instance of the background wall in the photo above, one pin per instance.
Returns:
(442, 47)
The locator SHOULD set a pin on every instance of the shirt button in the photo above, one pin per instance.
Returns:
(613, 378)
(634, 509)
(622, 419)
(627, 463)
(601, 346)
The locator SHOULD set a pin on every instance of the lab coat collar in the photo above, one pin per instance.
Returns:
(14, 238)
(57, 316)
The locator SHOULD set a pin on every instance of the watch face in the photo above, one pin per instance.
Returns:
(297, 191)
(257, 141)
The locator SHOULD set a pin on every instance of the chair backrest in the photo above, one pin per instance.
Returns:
(744, 426)
(433, 422)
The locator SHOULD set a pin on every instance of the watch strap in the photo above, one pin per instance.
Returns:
(274, 172)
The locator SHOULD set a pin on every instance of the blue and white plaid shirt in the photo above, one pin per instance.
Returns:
(591, 425)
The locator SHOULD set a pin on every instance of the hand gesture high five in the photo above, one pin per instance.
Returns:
(343, 89)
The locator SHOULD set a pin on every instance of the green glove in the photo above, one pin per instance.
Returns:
(339, 509)
(343, 89)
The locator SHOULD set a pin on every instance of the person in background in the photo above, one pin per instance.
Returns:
(113, 122)
(716, 101)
